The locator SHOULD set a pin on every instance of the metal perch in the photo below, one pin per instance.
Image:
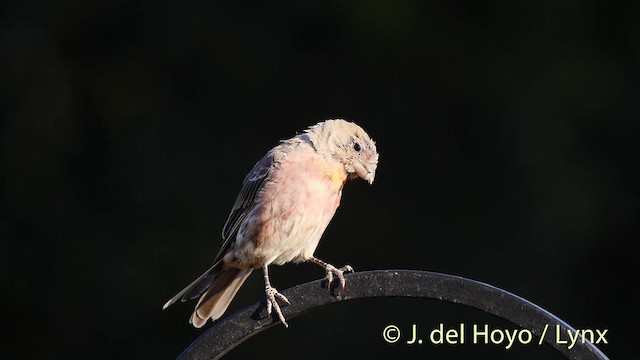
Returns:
(236, 328)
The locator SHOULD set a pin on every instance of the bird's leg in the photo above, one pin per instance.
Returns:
(331, 271)
(272, 296)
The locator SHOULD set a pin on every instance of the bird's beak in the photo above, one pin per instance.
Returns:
(366, 172)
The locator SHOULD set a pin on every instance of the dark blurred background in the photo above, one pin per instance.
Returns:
(507, 134)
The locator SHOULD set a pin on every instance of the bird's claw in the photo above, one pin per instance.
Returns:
(339, 273)
(272, 303)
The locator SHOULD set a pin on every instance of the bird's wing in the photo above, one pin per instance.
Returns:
(246, 200)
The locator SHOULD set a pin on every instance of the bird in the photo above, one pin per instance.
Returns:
(282, 210)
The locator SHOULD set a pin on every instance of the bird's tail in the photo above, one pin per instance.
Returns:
(218, 287)
(216, 299)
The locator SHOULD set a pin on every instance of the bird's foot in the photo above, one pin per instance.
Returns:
(339, 273)
(272, 303)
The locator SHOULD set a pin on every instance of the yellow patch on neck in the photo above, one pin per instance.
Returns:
(336, 174)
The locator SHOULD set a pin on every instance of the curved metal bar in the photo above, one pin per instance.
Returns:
(229, 333)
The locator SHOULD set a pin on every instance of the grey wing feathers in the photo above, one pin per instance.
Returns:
(243, 205)
(246, 200)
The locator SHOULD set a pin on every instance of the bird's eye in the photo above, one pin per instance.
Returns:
(357, 147)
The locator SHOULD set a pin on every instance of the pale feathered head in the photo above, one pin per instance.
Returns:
(349, 144)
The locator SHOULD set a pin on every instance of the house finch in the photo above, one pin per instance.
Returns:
(284, 206)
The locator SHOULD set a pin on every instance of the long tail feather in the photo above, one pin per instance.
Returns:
(214, 302)
(197, 287)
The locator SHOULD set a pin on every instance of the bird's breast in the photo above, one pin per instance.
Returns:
(295, 208)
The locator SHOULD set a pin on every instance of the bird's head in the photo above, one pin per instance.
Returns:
(349, 144)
